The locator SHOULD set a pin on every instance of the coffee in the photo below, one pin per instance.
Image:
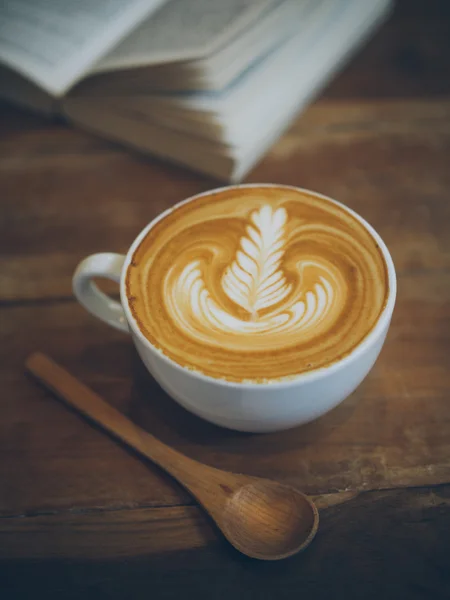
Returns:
(257, 283)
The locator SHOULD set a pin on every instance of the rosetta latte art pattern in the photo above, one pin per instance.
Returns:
(261, 288)
(254, 281)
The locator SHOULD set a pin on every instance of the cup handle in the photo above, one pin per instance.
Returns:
(109, 266)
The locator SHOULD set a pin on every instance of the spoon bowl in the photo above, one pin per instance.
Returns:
(269, 521)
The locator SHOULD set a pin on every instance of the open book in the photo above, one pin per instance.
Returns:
(205, 83)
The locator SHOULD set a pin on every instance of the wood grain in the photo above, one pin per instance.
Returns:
(391, 545)
(99, 534)
(106, 524)
(117, 532)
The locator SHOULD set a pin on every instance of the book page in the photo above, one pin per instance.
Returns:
(320, 16)
(53, 42)
(185, 30)
(327, 30)
(206, 130)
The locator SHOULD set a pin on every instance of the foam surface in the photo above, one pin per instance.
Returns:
(257, 283)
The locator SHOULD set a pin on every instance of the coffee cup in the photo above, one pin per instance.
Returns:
(344, 295)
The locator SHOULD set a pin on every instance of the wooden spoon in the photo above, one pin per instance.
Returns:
(260, 518)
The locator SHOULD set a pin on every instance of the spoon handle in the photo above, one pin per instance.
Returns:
(91, 405)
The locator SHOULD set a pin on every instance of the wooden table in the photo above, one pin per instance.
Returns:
(81, 517)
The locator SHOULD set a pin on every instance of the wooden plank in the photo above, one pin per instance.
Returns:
(379, 545)
(104, 534)
(352, 119)
(65, 196)
(98, 534)
(126, 532)
(393, 431)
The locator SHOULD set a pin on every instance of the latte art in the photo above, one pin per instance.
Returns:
(257, 284)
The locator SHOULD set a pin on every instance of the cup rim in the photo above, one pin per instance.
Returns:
(308, 376)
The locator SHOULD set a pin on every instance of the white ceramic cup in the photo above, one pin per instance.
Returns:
(255, 407)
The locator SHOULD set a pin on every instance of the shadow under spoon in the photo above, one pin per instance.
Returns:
(259, 517)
